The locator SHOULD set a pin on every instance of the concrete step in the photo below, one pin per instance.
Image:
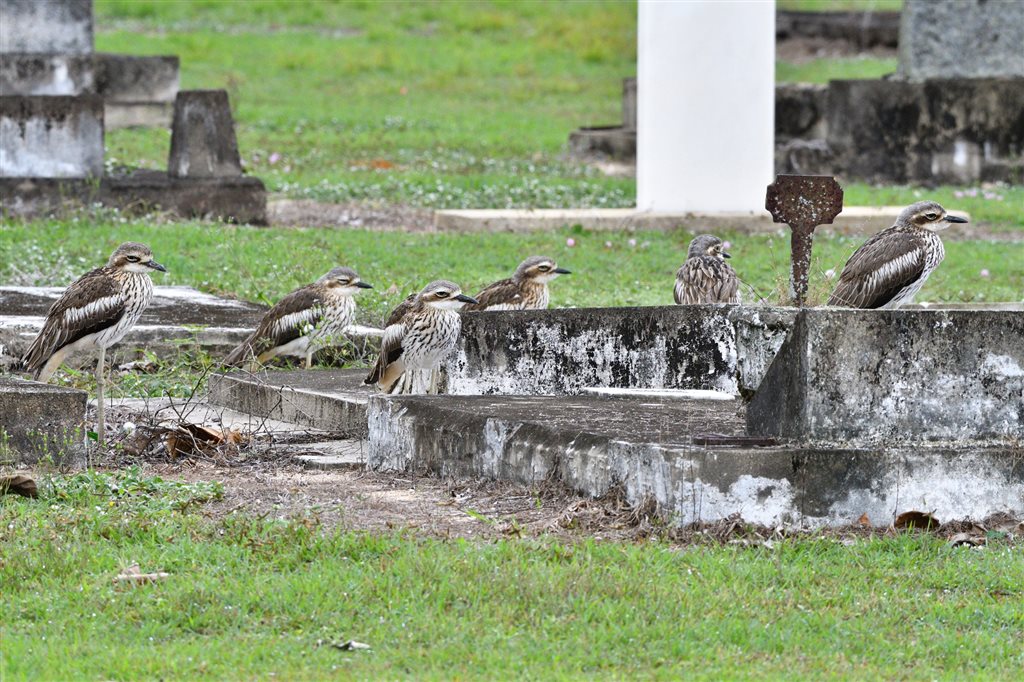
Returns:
(329, 400)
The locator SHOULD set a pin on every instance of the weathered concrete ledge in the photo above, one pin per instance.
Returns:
(40, 422)
(853, 220)
(858, 376)
(240, 199)
(562, 351)
(651, 450)
(328, 400)
(46, 74)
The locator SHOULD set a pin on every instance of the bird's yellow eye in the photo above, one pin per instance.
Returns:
(132, 259)
(931, 216)
(544, 268)
(442, 294)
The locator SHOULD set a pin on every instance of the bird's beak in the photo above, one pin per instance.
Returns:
(725, 254)
(466, 299)
(364, 285)
(563, 271)
(955, 219)
(156, 266)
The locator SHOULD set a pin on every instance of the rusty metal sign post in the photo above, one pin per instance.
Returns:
(803, 202)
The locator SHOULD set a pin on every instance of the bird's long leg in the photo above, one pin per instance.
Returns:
(100, 423)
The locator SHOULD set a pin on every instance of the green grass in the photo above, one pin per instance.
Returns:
(429, 104)
(453, 104)
(247, 598)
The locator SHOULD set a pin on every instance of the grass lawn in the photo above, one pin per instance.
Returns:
(250, 597)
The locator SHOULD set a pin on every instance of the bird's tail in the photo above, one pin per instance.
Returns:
(242, 353)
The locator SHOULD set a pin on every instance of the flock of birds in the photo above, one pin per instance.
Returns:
(99, 308)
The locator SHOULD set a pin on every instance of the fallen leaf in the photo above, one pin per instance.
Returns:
(18, 485)
(917, 520)
(864, 521)
(189, 439)
(351, 645)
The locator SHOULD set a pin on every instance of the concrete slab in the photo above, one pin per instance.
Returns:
(197, 412)
(546, 352)
(328, 400)
(39, 422)
(896, 376)
(203, 143)
(853, 220)
(138, 91)
(343, 454)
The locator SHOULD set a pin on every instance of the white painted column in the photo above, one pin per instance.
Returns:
(706, 104)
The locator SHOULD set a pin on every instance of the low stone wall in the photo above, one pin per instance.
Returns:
(137, 90)
(863, 29)
(890, 377)
(561, 351)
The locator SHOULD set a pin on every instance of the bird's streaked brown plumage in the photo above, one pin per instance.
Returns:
(891, 267)
(526, 289)
(304, 321)
(705, 277)
(419, 334)
(95, 312)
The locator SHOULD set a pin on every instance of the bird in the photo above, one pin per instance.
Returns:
(527, 289)
(891, 267)
(302, 322)
(419, 333)
(95, 312)
(705, 277)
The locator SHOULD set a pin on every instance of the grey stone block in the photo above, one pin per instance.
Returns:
(46, 74)
(203, 143)
(873, 377)
(41, 422)
(939, 131)
(800, 110)
(137, 79)
(864, 29)
(51, 137)
(629, 103)
(961, 39)
(51, 26)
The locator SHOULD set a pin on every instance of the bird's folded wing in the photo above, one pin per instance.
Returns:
(886, 264)
(400, 311)
(503, 293)
(390, 350)
(706, 280)
(92, 303)
(295, 315)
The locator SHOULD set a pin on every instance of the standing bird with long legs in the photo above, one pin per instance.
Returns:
(705, 277)
(420, 332)
(891, 267)
(302, 322)
(526, 289)
(95, 312)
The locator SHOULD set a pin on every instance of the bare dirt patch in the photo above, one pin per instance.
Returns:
(386, 217)
(799, 50)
